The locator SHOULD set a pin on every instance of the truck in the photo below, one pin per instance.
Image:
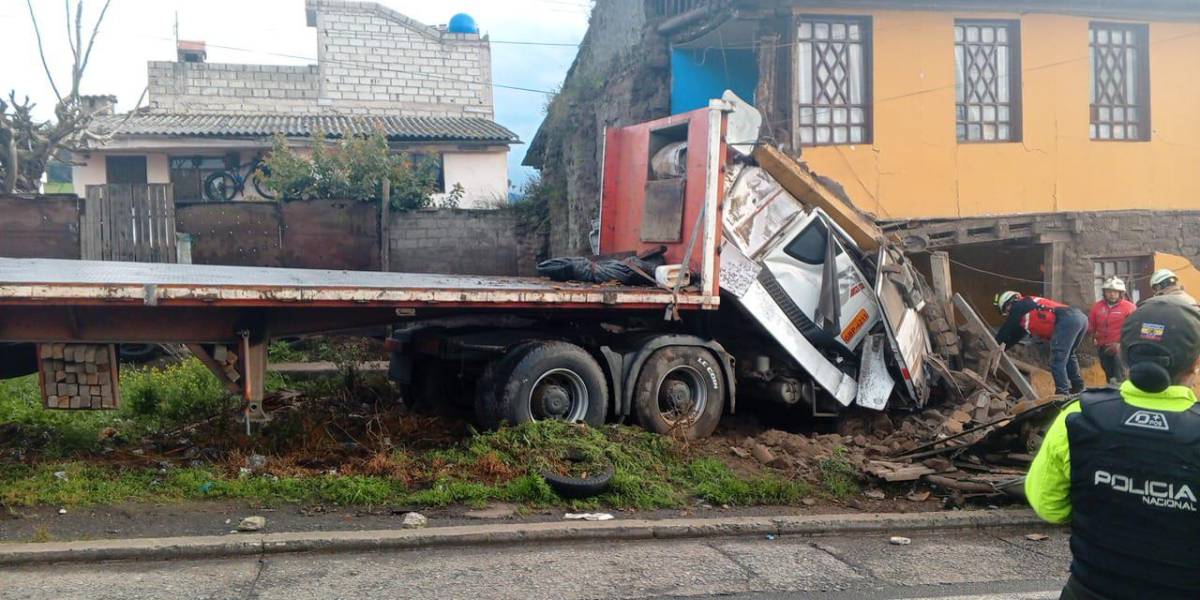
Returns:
(771, 291)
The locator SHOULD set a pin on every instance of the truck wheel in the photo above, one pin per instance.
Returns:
(542, 381)
(681, 390)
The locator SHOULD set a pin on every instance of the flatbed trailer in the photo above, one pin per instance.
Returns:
(774, 298)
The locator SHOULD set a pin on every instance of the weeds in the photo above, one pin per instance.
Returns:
(501, 466)
(838, 477)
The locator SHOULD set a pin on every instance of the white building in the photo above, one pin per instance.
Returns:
(429, 91)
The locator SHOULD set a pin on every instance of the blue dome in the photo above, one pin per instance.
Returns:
(463, 23)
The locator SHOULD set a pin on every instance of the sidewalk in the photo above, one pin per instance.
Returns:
(517, 533)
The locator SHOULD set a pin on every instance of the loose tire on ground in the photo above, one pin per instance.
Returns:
(541, 381)
(681, 391)
(573, 488)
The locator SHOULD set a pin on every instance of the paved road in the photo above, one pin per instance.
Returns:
(943, 565)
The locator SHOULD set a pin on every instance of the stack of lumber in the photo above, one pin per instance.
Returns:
(79, 376)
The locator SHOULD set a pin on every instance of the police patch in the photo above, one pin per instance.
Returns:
(1148, 420)
(1153, 331)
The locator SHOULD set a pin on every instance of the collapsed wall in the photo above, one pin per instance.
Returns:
(621, 76)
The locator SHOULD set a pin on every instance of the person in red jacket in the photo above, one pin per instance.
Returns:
(1105, 321)
(1062, 325)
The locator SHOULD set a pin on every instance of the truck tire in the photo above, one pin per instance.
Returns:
(680, 391)
(541, 381)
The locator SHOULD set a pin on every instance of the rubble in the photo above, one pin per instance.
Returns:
(254, 523)
(413, 520)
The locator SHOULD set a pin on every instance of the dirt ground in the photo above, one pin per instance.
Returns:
(221, 517)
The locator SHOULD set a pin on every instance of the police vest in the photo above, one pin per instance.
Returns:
(1039, 322)
(1135, 476)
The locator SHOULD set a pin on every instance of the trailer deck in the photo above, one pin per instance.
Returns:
(82, 283)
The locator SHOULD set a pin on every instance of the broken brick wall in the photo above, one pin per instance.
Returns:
(1122, 235)
(621, 76)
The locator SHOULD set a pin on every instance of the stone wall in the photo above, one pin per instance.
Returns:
(621, 76)
(370, 59)
(1124, 234)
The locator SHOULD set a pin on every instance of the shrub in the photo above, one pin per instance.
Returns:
(351, 169)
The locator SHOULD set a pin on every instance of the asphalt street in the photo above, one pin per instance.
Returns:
(947, 565)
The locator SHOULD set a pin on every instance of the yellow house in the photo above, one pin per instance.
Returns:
(1045, 144)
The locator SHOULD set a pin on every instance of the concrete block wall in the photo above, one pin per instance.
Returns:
(477, 242)
(370, 60)
(373, 58)
(181, 87)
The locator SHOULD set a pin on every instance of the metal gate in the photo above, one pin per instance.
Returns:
(128, 222)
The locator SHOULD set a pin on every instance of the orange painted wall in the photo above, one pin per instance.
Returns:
(916, 167)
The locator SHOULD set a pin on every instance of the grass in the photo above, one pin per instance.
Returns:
(96, 453)
(839, 478)
(152, 399)
(501, 466)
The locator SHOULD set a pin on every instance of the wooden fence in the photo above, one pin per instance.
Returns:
(128, 222)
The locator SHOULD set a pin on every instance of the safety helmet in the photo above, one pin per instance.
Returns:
(1114, 283)
(1161, 277)
(1003, 298)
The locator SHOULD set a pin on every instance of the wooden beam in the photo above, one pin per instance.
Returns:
(802, 184)
(217, 369)
(1006, 364)
(254, 373)
(939, 267)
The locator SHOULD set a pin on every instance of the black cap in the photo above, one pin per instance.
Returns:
(1160, 340)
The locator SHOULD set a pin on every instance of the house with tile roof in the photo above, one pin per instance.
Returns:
(426, 89)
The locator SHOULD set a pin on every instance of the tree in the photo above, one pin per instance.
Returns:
(26, 144)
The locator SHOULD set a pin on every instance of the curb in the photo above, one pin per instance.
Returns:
(473, 535)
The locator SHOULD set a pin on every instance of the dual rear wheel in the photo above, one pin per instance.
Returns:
(679, 391)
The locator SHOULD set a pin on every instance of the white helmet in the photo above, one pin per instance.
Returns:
(1114, 283)
(1162, 276)
(1003, 298)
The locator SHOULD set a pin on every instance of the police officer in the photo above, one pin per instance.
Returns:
(1062, 325)
(1123, 467)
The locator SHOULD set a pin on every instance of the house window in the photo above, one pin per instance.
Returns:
(125, 169)
(1120, 89)
(1133, 271)
(833, 83)
(987, 59)
(188, 174)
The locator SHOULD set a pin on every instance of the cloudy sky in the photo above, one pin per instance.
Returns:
(273, 32)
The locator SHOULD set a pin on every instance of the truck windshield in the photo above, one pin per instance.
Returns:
(809, 246)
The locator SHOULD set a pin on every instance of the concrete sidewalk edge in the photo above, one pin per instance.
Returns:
(511, 533)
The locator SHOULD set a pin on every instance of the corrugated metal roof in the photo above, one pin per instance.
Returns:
(397, 128)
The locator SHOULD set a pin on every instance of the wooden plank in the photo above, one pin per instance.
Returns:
(939, 266)
(169, 239)
(802, 184)
(385, 219)
(1006, 364)
(216, 367)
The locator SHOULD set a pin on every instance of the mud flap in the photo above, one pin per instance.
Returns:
(874, 383)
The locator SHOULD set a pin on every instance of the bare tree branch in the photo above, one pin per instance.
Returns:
(71, 42)
(41, 52)
(92, 38)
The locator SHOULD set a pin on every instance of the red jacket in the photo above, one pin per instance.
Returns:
(1105, 321)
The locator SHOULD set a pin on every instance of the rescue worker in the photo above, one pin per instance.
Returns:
(1123, 467)
(1061, 325)
(1104, 321)
(1166, 287)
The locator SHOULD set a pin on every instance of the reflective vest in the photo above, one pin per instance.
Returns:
(1135, 476)
(1040, 321)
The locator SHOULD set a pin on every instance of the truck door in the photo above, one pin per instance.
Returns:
(799, 265)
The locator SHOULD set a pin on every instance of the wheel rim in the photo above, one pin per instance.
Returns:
(559, 394)
(682, 394)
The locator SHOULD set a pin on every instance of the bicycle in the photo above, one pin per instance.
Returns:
(223, 185)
